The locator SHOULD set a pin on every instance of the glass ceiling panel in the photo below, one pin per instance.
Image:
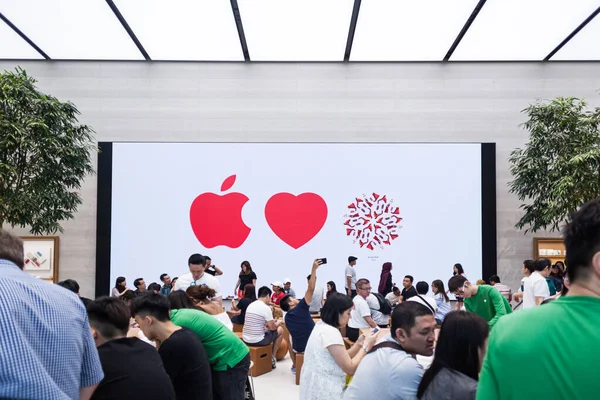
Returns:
(405, 30)
(12, 46)
(72, 29)
(184, 29)
(584, 46)
(296, 30)
(521, 29)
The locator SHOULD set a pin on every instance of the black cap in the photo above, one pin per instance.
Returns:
(352, 258)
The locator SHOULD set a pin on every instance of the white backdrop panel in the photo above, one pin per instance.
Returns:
(437, 188)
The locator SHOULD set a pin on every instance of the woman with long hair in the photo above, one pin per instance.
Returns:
(326, 360)
(458, 270)
(120, 287)
(201, 296)
(385, 279)
(557, 275)
(331, 288)
(242, 305)
(246, 277)
(442, 300)
(461, 346)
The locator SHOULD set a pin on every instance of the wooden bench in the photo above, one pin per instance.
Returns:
(260, 357)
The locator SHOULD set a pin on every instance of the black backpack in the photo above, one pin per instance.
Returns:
(384, 305)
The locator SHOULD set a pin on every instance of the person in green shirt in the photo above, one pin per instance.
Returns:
(484, 300)
(228, 356)
(521, 357)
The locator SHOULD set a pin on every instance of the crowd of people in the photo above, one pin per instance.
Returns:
(174, 340)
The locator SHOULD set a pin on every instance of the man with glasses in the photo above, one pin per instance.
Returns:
(484, 300)
(360, 316)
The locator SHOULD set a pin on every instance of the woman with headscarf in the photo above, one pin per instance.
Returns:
(385, 282)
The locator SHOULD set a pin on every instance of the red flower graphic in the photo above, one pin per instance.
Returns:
(372, 221)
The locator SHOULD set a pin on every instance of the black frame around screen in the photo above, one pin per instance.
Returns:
(103, 217)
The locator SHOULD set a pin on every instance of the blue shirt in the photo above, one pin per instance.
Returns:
(46, 346)
(385, 374)
(300, 324)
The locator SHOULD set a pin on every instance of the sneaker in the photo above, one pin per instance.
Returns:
(273, 362)
(294, 370)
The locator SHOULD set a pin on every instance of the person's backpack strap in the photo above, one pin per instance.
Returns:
(392, 345)
(427, 303)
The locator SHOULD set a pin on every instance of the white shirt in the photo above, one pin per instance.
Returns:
(350, 272)
(392, 298)
(361, 309)
(429, 300)
(534, 286)
(379, 317)
(315, 302)
(257, 316)
(186, 280)
(321, 377)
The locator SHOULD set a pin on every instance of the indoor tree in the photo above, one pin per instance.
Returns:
(559, 167)
(44, 156)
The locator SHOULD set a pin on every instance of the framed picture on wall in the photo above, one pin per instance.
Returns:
(41, 256)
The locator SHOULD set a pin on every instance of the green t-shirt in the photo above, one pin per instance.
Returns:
(544, 353)
(489, 304)
(223, 347)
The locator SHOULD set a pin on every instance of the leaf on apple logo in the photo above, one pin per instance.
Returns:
(228, 183)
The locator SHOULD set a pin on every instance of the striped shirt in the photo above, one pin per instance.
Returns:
(257, 316)
(504, 290)
(46, 347)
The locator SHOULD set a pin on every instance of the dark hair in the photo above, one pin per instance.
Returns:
(460, 269)
(207, 258)
(284, 303)
(250, 292)
(582, 240)
(395, 289)
(494, 278)
(136, 283)
(248, 267)
(529, 265)
(334, 306)
(405, 315)
(11, 248)
(179, 299)
(351, 258)
(200, 293)
(542, 263)
(109, 316)
(196, 259)
(333, 289)
(70, 284)
(154, 286)
(162, 277)
(461, 337)
(119, 280)
(562, 267)
(422, 287)
(128, 295)
(264, 292)
(456, 282)
(565, 289)
(410, 277)
(439, 285)
(153, 304)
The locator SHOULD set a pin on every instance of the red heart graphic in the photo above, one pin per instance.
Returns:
(296, 219)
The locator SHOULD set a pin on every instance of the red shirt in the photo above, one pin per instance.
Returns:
(276, 297)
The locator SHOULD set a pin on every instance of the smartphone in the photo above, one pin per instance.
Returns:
(323, 261)
(374, 331)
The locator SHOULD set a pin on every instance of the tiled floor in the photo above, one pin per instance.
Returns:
(281, 382)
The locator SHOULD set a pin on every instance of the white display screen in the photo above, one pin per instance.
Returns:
(417, 206)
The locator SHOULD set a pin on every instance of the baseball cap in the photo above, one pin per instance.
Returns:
(286, 280)
(277, 283)
(352, 258)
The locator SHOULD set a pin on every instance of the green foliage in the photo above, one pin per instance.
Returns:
(559, 168)
(44, 156)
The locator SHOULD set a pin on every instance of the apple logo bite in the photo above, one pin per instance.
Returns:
(217, 220)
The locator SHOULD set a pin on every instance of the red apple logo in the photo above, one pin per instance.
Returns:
(217, 220)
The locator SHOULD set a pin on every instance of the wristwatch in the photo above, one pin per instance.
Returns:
(365, 348)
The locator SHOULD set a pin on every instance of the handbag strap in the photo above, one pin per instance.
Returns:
(427, 303)
(392, 345)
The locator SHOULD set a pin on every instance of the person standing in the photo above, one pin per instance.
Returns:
(350, 277)
(197, 276)
(166, 288)
(527, 269)
(385, 280)
(503, 289)
(483, 300)
(182, 353)
(246, 277)
(536, 289)
(210, 268)
(46, 346)
(441, 299)
(518, 361)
